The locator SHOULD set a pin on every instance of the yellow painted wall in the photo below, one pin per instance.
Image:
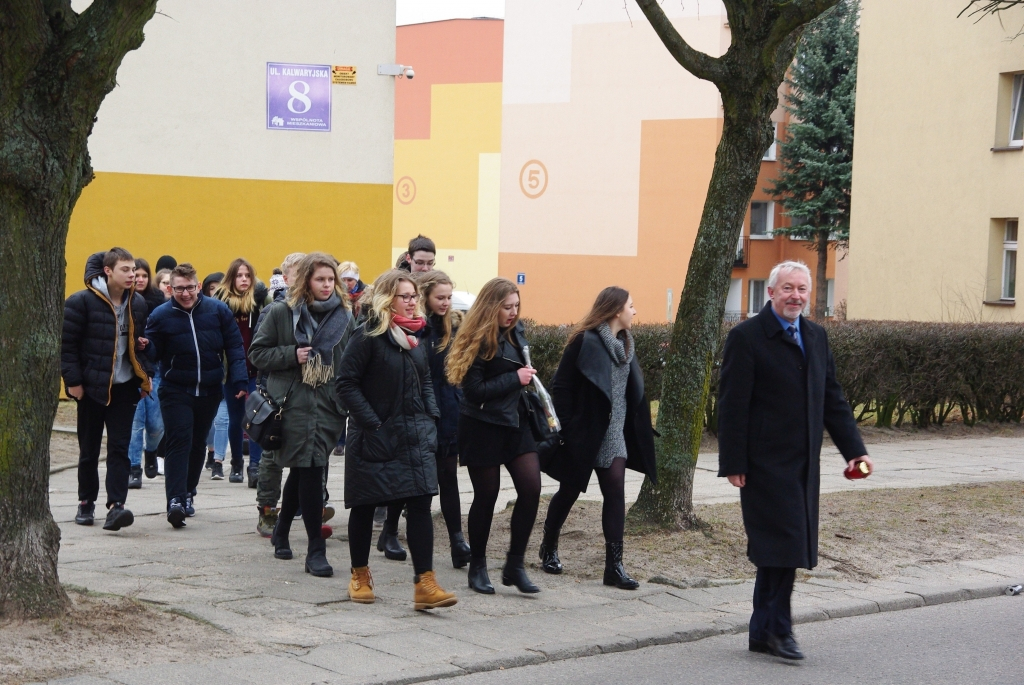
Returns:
(211, 221)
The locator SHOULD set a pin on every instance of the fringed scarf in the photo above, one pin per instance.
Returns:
(323, 337)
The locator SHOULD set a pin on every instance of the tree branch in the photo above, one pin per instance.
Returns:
(701, 65)
(984, 7)
(24, 40)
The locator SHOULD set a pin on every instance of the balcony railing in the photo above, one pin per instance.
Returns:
(742, 253)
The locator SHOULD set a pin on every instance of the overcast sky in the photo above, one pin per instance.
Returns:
(419, 11)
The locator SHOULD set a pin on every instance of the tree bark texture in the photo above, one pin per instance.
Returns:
(56, 66)
(748, 76)
(821, 276)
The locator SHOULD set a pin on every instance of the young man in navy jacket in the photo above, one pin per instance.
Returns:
(190, 335)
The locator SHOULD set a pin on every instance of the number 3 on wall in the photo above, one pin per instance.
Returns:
(533, 179)
(405, 190)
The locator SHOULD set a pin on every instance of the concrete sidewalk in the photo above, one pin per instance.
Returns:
(220, 570)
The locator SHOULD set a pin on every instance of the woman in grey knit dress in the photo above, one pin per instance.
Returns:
(598, 393)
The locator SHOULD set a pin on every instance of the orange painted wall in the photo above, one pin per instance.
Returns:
(456, 51)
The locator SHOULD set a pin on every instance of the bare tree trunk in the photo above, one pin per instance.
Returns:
(55, 69)
(764, 36)
(821, 276)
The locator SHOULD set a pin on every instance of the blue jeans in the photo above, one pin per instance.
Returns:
(236, 412)
(217, 438)
(147, 427)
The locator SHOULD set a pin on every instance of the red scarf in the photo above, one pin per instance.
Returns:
(414, 325)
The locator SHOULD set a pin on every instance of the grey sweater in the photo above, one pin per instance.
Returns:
(621, 354)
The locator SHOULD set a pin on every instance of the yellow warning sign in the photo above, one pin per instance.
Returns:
(345, 76)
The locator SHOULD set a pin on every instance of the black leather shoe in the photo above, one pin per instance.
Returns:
(282, 550)
(135, 478)
(614, 573)
(549, 561)
(149, 462)
(759, 646)
(461, 553)
(118, 517)
(389, 544)
(236, 476)
(514, 573)
(316, 559)
(479, 581)
(784, 646)
(176, 513)
(85, 514)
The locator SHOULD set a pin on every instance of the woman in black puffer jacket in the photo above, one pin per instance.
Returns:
(384, 383)
(487, 361)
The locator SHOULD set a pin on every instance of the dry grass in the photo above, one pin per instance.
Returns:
(104, 633)
(864, 535)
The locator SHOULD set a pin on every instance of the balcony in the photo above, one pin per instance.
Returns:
(742, 253)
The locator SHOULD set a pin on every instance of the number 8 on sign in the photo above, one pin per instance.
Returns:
(533, 179)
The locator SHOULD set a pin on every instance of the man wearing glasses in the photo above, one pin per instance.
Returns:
(189, 337)
(420, 257)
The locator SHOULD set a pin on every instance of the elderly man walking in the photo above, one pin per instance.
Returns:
(777, 392)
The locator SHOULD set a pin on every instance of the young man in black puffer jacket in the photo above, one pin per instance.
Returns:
(105, 371)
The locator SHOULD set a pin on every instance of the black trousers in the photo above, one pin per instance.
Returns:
(419, 532)
(187, 420)
(117, 417)
(773, 588)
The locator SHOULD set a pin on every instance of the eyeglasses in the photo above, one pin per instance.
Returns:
(184, 289)
(420, 262)
(408, 298)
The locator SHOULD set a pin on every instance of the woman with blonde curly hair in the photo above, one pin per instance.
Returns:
(298, 346)
(494, 430)
(384, 383)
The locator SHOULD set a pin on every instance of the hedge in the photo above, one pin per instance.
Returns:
(891, 371)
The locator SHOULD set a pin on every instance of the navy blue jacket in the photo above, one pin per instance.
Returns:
(190, 346)
(446, 395)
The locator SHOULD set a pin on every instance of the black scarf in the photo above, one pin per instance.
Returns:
(323, 337)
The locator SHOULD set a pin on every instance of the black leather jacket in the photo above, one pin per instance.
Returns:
(491, 389)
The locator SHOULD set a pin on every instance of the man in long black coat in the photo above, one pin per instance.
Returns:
(777, 393)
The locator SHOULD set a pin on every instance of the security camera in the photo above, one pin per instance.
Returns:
(409, 73)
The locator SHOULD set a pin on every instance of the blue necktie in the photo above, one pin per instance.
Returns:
(792, 332)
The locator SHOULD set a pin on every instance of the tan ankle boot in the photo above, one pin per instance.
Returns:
(360, 588)
(430, 595)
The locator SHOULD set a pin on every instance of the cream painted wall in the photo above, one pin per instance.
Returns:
(192, 100)
(620, 75)
(926, 184)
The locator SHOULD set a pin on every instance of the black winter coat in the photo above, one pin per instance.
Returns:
(446, 395)
(191, 345)
(773, 404)
(581, 392)
(491, 390)
(88, 341)
(154, 298)
(392, 436)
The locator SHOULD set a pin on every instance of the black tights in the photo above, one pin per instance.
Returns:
(613, 514)
(419, 529)
(303, 488)
(525, 472)
(448, 492)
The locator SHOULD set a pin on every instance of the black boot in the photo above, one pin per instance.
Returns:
(150, 462)
(479, 581)
(549, 561)
(135, 478)
(514, 573)
(614, 573)
(253, 473)
(389, 544)
(279, 539)
(461, 553)
(316, 559)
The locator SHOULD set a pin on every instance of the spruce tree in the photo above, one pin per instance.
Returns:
(816, 151)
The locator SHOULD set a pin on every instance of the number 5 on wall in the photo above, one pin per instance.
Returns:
(533, 179)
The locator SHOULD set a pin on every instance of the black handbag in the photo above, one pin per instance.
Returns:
(548, 441)
(263, 419)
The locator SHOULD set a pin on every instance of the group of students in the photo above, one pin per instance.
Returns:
(420, 388)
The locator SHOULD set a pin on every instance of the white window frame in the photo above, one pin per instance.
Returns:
(769, 221)
(1008, 285)
(770, 155)
(734, 300)
(752, 289)
(1017, 110)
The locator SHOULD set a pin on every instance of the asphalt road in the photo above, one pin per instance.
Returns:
(979, 642)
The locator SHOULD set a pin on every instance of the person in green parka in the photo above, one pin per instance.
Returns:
(298, 346)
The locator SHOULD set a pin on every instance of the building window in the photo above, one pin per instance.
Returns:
(1017, 111)
(757, 296)
(1009, 260)
(773, 150)
(761, 219)
(733, 304)
(830, 297)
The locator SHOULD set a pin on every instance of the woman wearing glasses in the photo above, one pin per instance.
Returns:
(487, 361)
(384, 383)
